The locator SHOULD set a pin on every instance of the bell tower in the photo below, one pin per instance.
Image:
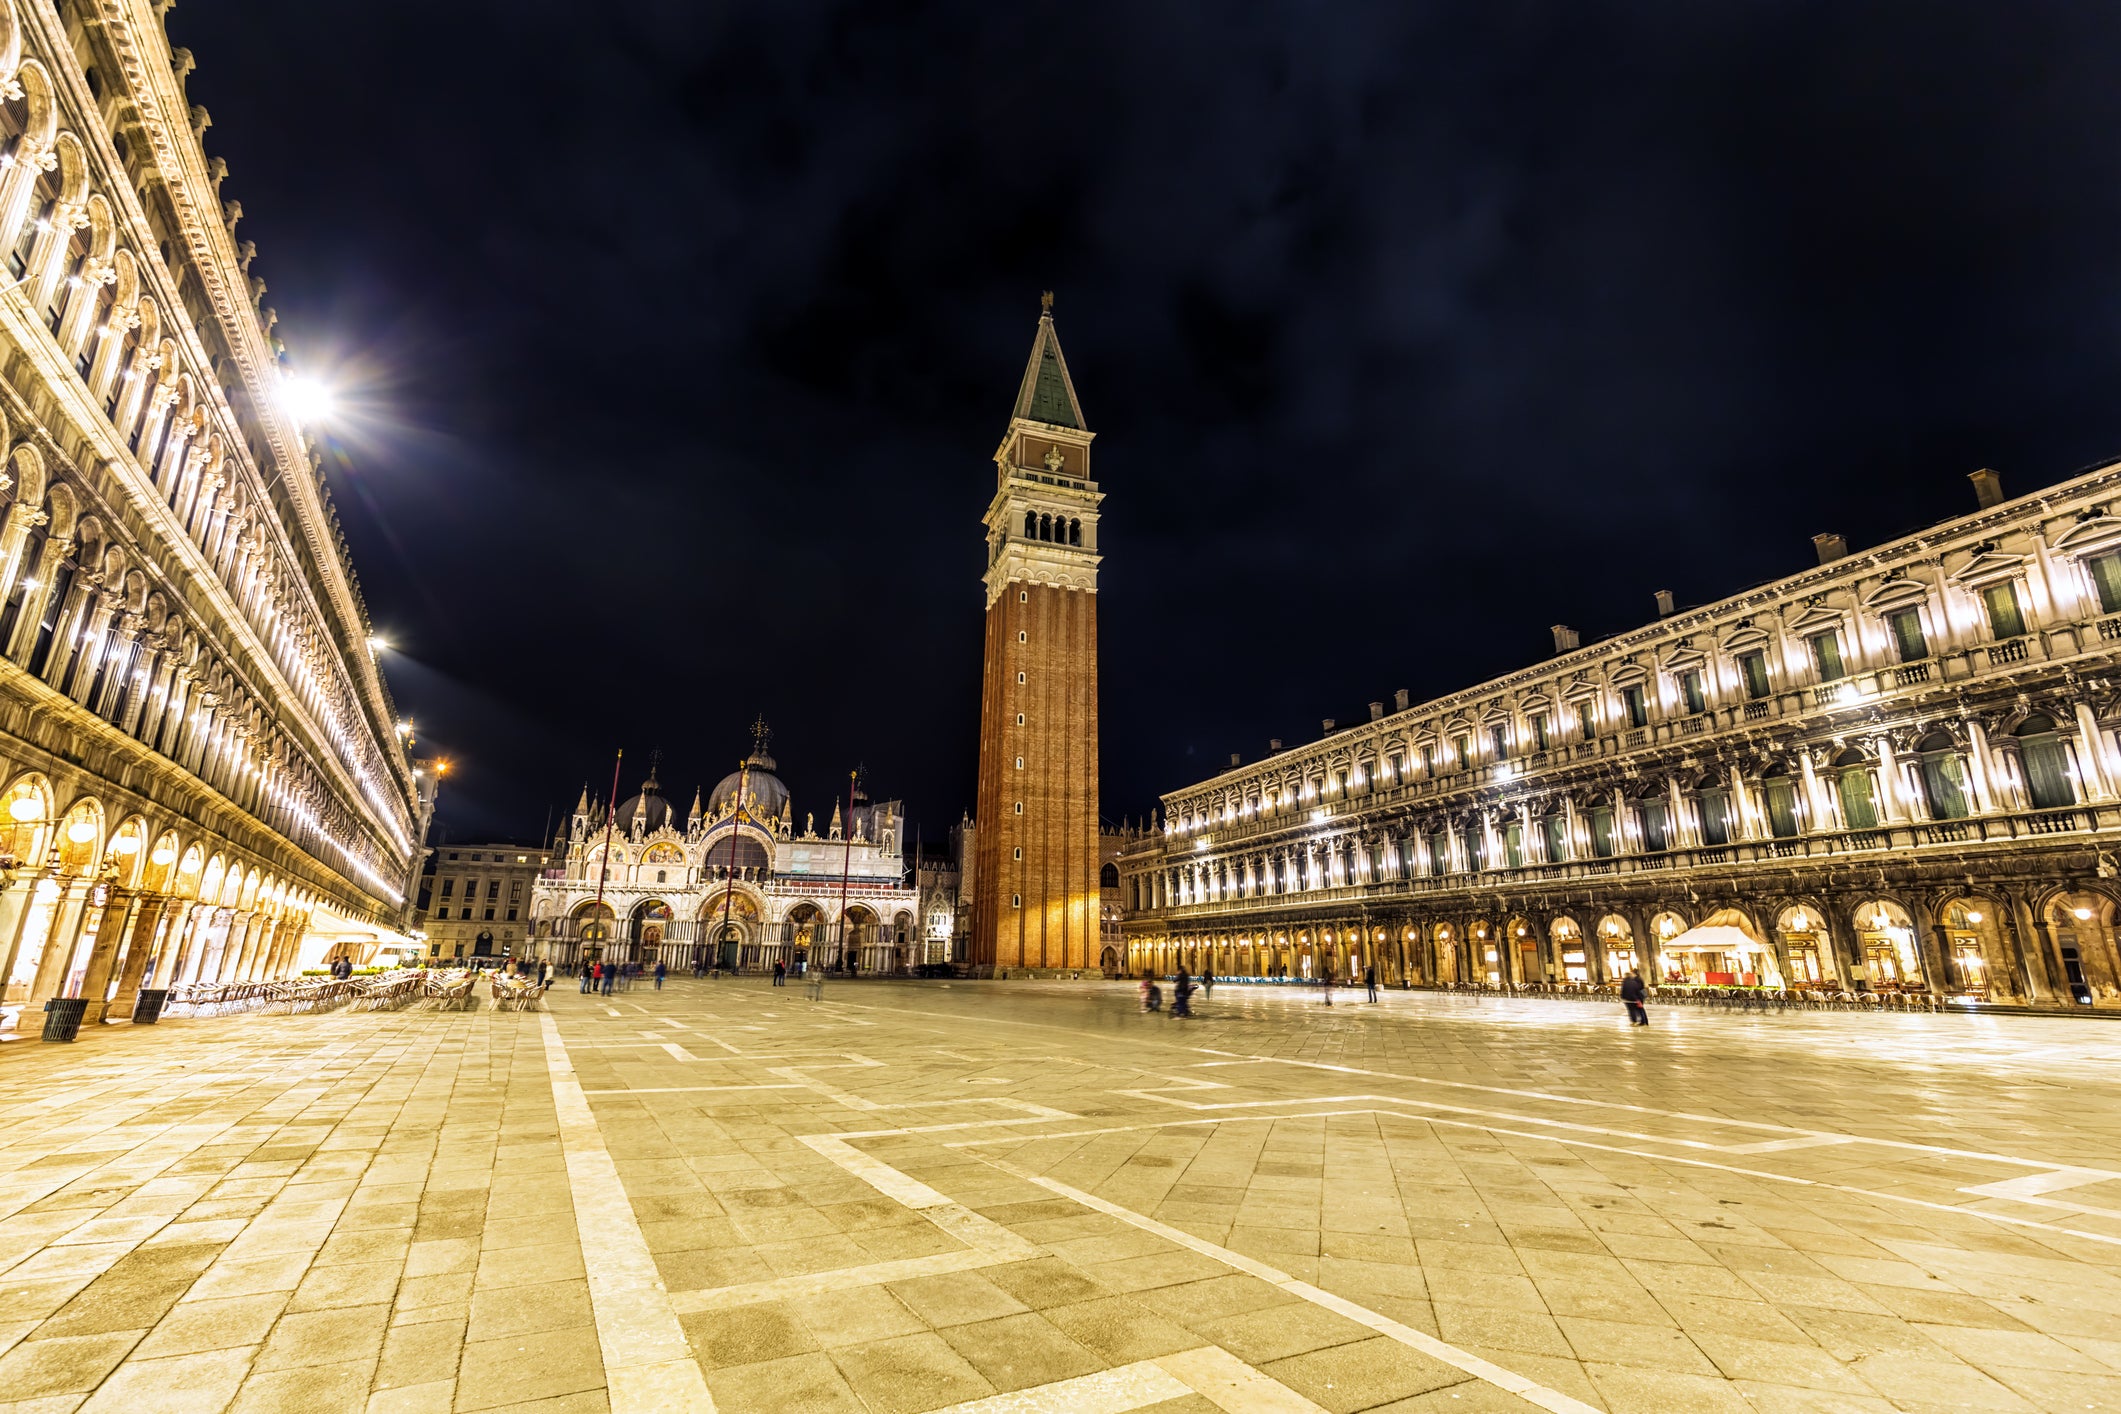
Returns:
(1035, 895)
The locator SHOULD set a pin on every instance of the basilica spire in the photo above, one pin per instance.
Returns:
(1048, 393)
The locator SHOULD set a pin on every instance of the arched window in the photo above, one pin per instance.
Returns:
(55, 597)
(2047, 773)
(44, 195)
(1030, 525)
(1554, 827)
(1045, 527)
(11, 613)
(70, 264)
(1656, 822)
(1943, 777)
(1715, 811)
(1859, 800)
(1781, 793)
(1075, 532)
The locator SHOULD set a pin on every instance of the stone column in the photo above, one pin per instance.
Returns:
(2098, 780)
(255, 926)
(116, 927)
(183, 945)
(24, 638)
(22, 518)
(15, 910)
(118, 652)
(139, 949)
(99, 608)
(1977, 760)
(286, 946)
(1815, 794)
(1930, 945)
(67, 918)
(1892, 785)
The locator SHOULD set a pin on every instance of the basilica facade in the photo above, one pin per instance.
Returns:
(1896, 771)
(732, 883)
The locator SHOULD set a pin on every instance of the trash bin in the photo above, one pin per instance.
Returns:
(147, 1007)
(62, 1017)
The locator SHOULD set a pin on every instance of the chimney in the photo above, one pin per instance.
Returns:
(1377, 711)
(1236, 760)
(1664, 603)
(1833, 547)
(1565, 639)
(1326, 727)
(1988, 487)
(1399, 700)
(1273, 745)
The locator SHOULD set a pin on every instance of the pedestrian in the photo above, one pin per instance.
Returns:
(1369, 979)
(589, 972)
(660, 969)
(1207, 986)
(609, 972)
(1152, 998)
(1632, 992)
(780, 973)
(1181, 994)
(1325, 980)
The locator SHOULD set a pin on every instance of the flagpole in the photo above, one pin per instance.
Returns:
(611, 815)
(846, 864)
(743, 779)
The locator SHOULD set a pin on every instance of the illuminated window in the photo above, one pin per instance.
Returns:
(1908, 636)
(1637, 704)
(1826, 656)
(1754, 667)
(2001, 600)
(2106, 578)
(1690, 688)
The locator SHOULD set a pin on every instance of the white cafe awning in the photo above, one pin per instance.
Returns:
(1712, 937)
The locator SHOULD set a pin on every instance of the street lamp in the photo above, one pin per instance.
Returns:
(307, 401)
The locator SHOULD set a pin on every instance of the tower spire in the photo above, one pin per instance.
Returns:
(1047, 393)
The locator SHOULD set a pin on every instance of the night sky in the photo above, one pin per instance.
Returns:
(677, 337)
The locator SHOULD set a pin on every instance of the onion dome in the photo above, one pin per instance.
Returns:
(649, 806)
(765, 797)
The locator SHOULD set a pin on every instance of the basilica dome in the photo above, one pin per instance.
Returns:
(767, 796)
(648, 806)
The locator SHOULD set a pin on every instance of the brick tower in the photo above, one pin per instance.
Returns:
(1035, 895)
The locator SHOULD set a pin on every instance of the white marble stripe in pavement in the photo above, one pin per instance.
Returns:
(648, 1364)
(1406, 1335)
(1209, 1371)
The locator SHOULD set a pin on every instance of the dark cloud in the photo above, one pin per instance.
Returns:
(685, 332)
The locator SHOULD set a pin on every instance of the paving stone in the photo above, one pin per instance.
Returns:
(378, 1212)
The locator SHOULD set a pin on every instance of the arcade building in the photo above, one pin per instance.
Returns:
(1894, 771)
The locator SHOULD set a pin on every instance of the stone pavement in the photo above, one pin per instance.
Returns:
(1031, 1197)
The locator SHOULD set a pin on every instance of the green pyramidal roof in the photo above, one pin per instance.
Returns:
(1048, 394)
